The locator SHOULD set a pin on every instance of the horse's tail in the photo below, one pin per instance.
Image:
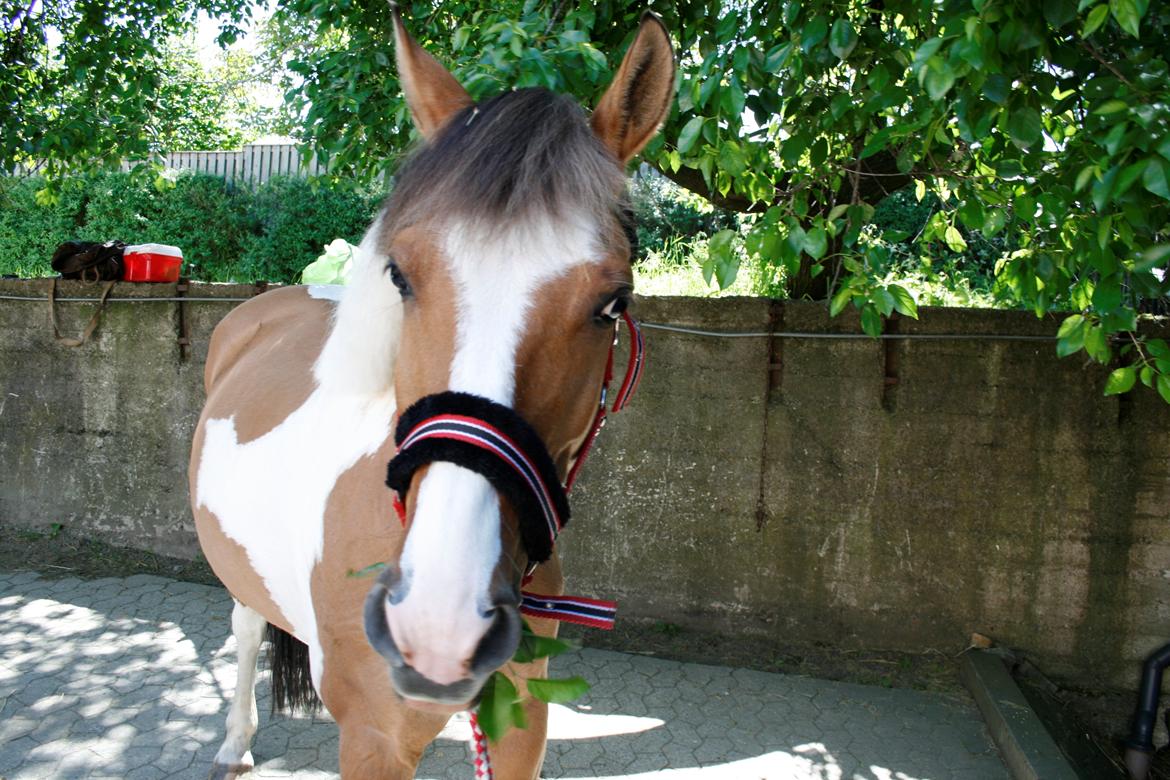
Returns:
(292, 683)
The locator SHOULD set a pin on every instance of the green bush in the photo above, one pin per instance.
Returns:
(293, 220)
(29, 232)
(227, 233)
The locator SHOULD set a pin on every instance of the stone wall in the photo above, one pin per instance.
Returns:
(894, 494)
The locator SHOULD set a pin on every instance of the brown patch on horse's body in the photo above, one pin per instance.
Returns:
(259, 370)
(261, 356)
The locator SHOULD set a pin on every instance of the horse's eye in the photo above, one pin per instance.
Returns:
(614, 309)
(399, 280)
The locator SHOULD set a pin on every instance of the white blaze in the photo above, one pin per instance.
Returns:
(454, 541)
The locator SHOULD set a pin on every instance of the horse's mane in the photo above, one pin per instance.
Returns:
(522, 154)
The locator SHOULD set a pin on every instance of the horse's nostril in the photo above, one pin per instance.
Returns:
(499, 643)
(374, 617)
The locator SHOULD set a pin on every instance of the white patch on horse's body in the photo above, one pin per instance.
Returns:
(326, 292)
(270, 494)
(454, 542)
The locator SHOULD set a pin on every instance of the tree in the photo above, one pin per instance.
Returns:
(90, 83)
(1046, 120)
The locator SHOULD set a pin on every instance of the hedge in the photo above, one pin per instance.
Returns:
(227, 233)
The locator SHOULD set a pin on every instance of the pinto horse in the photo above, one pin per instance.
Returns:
(486, 292)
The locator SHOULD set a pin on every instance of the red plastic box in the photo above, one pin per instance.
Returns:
(151, 263)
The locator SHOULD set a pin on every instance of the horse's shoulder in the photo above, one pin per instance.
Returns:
(284, 313)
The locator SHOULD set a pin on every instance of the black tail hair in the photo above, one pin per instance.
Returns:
(292, 683)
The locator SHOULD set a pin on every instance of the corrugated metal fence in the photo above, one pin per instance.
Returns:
(250, 166)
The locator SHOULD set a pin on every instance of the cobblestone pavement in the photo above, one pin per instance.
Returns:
(130, 678)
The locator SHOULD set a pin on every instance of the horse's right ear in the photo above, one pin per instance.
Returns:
(433, 94)
(639, 98)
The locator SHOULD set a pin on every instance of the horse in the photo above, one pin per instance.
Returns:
(484, 298)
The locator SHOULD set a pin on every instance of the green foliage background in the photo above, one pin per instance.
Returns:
(226, 233)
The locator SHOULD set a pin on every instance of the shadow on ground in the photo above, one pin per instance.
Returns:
(131, 677)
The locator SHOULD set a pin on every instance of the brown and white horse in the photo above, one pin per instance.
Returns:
(497, 269)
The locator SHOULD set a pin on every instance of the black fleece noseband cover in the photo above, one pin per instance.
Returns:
(494, 441)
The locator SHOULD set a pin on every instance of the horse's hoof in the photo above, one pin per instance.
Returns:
(229, 771)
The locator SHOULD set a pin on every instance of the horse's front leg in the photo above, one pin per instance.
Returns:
(520, 754)
(381, 738)
(235, 754)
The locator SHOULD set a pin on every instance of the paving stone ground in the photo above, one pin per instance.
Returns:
(131, 678)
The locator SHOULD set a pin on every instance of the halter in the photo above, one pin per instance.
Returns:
(494, 441)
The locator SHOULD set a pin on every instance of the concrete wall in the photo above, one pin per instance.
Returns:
(893, 494)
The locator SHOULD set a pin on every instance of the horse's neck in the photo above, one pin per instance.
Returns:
(358, 357)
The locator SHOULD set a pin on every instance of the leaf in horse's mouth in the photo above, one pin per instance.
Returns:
(500, 706)
(367, 570)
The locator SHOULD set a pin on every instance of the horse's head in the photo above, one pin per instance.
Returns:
(507, 239)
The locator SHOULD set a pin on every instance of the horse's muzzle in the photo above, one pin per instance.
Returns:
(497, 645)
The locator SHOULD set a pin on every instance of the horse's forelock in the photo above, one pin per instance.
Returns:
(523, 155)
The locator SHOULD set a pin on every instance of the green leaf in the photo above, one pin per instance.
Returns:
(871, 321)
(1071, 336)
(366, 571)
(690, 134)
(1163, 385)
(558, 691)
(940, 77)
(816, 243)
(1107, 294)
(954, 239)
(1097, 344)
(1121, 380)
(1111, 107)
(1072, 324)
(533, 647)
(732, 100)
(919, 189)
(1158, 348)
(904, 302)
(1154, 178)
(1094, 20)
(1024, 127)
(842, 38)
(1128, 14)
(813, 33)
(993, 221)
(732, 159)
(841, 300)
(496, 713)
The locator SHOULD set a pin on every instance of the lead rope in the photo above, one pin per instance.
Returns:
(588, 612)
(483, 762)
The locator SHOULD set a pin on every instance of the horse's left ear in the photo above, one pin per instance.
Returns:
(639, 98)
(433, 94)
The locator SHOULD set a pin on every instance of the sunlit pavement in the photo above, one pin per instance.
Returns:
(130, 678)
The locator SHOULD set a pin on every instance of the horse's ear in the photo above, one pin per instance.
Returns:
(433, 94)
(639, 98)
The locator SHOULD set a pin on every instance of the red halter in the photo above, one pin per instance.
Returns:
(629, 384)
